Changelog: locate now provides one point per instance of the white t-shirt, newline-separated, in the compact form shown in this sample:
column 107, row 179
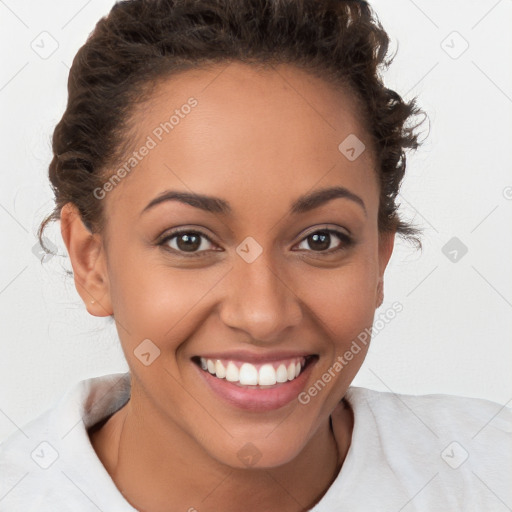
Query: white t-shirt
column 408, row 453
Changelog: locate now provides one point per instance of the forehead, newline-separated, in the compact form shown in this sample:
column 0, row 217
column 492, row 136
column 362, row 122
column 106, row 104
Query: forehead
column 235, row 129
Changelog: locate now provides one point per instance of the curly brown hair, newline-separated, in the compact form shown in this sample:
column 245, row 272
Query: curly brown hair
column 141, row 42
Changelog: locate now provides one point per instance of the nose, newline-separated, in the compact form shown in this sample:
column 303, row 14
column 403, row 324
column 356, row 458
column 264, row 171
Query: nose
column 260, row 301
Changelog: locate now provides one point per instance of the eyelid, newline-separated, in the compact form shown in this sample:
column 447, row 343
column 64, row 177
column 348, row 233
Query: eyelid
column 346, row 239
column 325, row 227
column 173, row 233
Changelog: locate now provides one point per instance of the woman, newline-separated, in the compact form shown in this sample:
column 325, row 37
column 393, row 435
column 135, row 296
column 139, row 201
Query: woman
column 225, row 176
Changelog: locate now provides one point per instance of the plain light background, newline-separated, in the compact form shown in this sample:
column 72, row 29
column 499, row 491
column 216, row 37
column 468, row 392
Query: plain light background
column 455, row 331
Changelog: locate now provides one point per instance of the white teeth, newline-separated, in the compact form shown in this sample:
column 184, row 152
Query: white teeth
column 219, row 369
column 249, row 375
column 232, row 373
column 282, row 373
column 267, row 375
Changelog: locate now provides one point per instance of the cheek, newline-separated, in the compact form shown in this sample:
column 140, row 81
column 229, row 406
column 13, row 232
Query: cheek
column 342, row 299
column 158, row 302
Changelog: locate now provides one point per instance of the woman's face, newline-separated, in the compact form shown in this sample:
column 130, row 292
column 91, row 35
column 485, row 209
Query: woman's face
column 254, row 280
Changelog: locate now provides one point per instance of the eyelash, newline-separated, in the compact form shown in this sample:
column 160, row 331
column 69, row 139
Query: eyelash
column 346, row 241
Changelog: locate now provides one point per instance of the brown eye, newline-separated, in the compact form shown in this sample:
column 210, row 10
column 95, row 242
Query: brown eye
column 186, row 242
column 320, row 241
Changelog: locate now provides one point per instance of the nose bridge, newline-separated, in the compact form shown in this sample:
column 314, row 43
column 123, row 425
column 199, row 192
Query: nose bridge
column 259, row 300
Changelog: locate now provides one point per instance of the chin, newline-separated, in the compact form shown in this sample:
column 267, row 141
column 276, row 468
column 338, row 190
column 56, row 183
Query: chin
column 257, row 451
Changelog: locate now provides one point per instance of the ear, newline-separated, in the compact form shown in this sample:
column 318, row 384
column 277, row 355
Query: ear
column 386, row 244
column 87, row 255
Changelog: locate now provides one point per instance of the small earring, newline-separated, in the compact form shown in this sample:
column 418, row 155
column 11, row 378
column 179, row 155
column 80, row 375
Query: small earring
column 93, row 301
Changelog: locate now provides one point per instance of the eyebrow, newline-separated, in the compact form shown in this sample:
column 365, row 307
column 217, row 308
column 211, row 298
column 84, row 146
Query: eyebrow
column 212, row 204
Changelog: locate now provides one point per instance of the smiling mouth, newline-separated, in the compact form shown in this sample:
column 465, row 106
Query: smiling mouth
column 259, row 376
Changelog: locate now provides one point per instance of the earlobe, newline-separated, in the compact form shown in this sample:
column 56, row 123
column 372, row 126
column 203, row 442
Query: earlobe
column 87, row 255
column 386, row 244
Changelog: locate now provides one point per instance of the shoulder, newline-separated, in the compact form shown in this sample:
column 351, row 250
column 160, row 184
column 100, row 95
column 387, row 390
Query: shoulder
column 431, row 449
column 442, row 413
column 50, row 460
column 455, row 427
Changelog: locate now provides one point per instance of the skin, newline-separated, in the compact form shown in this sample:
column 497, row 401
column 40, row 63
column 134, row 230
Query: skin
column 258, row 139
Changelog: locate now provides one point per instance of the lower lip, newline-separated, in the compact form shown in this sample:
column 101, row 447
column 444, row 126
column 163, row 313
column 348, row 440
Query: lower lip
column 254, row 399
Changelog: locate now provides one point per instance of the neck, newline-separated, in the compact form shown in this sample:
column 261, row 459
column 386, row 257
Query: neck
column 163, row 465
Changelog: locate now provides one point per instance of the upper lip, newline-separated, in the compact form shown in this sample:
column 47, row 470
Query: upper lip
column 253, row 357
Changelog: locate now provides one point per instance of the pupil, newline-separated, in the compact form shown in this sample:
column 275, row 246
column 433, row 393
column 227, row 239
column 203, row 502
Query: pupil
column 323, row 238
column 192, row 242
